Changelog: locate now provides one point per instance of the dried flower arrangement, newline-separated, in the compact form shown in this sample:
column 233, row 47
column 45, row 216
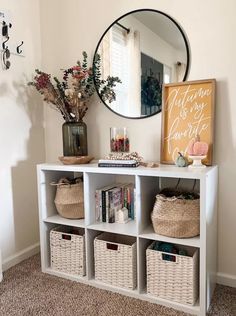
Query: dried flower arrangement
column 70, row 96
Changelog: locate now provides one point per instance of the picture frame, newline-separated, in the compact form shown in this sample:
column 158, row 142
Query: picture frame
column 187, row 111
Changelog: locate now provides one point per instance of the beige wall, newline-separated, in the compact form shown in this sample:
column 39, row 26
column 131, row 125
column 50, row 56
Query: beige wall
column 68, row 27
column 21, row 134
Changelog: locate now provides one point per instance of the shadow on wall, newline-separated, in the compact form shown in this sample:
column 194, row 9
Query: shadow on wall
column 94, row 129
column 23, row 173
column 225, row 157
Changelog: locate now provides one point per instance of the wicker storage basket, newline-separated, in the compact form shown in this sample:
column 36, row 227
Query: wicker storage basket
column 68, row 250
column 174, row 217
column 69, row 199
column 175, row 281
column 116, row 260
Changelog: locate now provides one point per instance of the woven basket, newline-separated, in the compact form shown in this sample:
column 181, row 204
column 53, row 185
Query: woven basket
column 174, row 217
column 69, row 200
column 68, row 250
column 174, row 281
column 116, row 260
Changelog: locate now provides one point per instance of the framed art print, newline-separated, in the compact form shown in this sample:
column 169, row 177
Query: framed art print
column 187, row 111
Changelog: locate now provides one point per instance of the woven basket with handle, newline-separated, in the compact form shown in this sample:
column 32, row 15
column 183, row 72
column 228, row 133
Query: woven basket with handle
column 176, row 217
column 69, row 199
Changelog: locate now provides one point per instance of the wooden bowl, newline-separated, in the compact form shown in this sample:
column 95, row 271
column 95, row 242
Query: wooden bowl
column 75, row 160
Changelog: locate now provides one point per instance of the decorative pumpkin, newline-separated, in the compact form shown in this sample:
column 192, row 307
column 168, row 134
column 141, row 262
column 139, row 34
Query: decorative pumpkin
column 181, row 161
column 190, row 147
column 197, row 148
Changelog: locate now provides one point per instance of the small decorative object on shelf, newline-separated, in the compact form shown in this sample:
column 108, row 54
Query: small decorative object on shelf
column 121, row 216
column 197, row 151
column 197, row 148
column 119, row 139
column 75, row 160
column 181, row 161
column 71, row 96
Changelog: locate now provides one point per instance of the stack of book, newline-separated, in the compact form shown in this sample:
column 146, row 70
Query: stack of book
column 110, row 199
column 118, row 163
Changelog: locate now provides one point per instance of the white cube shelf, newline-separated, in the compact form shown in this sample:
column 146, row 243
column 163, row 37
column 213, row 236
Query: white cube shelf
column 148, row 182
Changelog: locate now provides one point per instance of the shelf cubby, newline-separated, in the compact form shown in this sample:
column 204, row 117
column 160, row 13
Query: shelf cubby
column 94, row 181
column 46, row 252
column 142, row 280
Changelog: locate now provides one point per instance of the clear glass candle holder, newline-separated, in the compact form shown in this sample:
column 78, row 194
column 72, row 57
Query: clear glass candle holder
column 119, row 140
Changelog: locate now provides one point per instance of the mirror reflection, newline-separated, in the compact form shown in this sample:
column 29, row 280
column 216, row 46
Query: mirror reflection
column 145, row 49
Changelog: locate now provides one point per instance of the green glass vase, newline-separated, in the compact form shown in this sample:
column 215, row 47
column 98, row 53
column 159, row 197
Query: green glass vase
column 74, row 139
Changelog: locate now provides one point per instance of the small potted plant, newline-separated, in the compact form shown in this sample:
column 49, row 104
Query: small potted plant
column 70, row 97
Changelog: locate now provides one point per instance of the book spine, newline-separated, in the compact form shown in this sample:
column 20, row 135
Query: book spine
column 118, row 165
column 97, row 206
column 107, row 205
column 114, row 161
column 129, row 201
column 132, row 204
column 111, row 215
column 104, row 206
column 100, row 206
column 125, row 203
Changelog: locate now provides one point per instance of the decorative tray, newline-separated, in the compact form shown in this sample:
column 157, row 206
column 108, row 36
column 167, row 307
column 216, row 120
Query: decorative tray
column 75, row 160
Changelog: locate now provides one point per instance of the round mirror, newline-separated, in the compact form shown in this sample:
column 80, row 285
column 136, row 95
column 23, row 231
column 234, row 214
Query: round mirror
column 144, row 49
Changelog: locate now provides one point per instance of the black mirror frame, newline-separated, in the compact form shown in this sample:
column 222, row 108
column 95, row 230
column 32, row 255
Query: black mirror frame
column 186, row 46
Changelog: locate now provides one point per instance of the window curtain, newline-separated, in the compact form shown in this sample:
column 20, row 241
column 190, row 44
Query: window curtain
column 134, row 82
column 180, row 69
column 120, row 55
column 105, row 54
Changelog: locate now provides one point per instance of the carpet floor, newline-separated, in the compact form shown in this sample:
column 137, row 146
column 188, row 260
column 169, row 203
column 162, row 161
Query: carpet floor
column 25, row 290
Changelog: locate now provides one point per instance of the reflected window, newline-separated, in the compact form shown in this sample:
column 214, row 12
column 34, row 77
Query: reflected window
column 151, row 85
column 119, row 67
column 167, row 74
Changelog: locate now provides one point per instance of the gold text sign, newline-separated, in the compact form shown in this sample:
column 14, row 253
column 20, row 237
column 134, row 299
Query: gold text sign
column 187, row 111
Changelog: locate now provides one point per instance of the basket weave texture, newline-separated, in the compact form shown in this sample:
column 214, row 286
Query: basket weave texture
column 174, row 217
column 175, row 281
column 67, row 250
column 116, row 260
column 69, row 200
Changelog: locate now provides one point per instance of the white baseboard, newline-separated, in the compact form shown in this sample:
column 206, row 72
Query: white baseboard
column 226, row 279
column 20, row 256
